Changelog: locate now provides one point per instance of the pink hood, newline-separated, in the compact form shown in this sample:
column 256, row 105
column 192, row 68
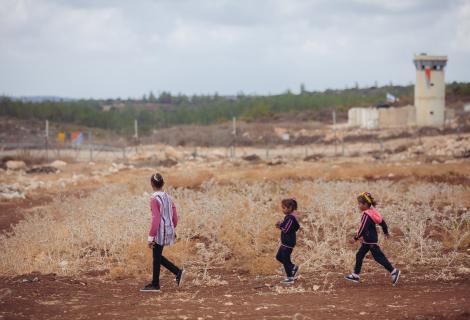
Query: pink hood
column 374, row 215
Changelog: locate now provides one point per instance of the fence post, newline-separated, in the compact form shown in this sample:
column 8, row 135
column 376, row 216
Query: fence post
column 334, row 129
column 136, row 134
column 47, row 139
column 234, row 133
column 90, row 144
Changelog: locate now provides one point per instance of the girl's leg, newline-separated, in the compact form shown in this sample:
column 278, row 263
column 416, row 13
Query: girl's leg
column 288, row 265
column 170, row 266
column 380, row 258
column 279, row 255
column 361, row 253
column 283, row 256
column 157, row 260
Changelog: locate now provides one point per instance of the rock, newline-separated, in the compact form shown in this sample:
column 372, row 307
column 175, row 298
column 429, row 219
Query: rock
column 173, row 154
column 251, row 157
column 15, row 165
column 58, row 164
column 313, row 157
column 9, row 192
column 5, row 293
column 45, row 169
column 463, row 270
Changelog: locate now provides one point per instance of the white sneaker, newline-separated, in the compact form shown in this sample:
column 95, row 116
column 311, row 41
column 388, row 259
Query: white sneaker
column 353, row 278
column 395, row 276
column 289, row 280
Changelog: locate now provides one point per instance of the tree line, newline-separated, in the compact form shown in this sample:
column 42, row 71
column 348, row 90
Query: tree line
column 167, row 109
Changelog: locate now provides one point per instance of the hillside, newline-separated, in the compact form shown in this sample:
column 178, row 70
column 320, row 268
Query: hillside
column 169, row 110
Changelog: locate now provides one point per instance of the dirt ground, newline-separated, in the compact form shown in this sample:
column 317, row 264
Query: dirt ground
column 39, row 296
column 245, row 297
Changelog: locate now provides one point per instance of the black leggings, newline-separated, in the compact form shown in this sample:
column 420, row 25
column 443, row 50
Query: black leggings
column 376, row 253
column 283, row 256
column 159, row 260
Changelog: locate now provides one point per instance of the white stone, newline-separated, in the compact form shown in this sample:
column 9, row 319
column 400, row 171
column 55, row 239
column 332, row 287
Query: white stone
column 15, row 165
column 58, row 164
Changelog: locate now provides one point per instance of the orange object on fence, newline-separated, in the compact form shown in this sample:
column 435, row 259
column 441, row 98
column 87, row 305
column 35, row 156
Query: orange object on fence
column 61, row 136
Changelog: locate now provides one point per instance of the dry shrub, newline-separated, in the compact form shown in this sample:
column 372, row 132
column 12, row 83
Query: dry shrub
column 231, row 226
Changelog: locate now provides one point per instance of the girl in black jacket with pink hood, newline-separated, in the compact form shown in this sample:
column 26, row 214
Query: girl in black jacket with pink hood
column 368, row 232
column 289, row 227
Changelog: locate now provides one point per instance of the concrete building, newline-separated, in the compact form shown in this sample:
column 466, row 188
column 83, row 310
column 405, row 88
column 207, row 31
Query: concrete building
column 430, row 90
column 429, row 105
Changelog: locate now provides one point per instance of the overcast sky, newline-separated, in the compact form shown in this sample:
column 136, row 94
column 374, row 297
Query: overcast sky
column 117, row 48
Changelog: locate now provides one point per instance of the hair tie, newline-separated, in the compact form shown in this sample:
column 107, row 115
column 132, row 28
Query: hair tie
column 366, row 196
column 155, row 177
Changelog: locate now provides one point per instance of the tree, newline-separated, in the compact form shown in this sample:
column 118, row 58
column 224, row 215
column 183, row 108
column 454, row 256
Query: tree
column 152, row 97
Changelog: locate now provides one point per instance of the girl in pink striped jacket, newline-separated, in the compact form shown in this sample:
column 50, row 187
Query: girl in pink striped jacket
column 162, row 233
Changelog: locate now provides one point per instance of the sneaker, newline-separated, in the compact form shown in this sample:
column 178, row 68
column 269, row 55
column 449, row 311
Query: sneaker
column 395, row 276
column 289, row 280
column 295, row 270
column 150, row 288
column 353, row 278
column 180, row 278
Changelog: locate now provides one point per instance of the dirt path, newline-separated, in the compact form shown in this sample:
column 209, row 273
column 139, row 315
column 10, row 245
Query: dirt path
column 52, row 297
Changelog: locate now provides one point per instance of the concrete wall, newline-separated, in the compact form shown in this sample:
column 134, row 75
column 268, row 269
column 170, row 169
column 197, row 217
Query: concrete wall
column 372, row 118
column 363, row 117
column 396, row 117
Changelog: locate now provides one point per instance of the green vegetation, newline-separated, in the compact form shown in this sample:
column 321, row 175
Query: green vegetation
column 167, row 110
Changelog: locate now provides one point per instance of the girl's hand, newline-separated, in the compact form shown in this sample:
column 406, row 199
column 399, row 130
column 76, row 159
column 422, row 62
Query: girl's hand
column 387, row 236
column 151, row 244
column 352, row 240
column 278, row 224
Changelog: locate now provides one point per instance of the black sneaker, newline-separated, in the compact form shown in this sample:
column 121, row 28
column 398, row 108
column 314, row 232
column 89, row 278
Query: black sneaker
column 295, row 270
column 180, row 278
column 395, row 276
column 150, row 288
column 353, row 278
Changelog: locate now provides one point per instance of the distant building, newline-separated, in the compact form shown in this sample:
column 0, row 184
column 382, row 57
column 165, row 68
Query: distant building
column 429, row 104
column 430, row 90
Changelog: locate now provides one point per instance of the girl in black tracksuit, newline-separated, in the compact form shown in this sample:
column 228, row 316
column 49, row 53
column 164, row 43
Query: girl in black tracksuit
column 289, row 226
column 368, row 232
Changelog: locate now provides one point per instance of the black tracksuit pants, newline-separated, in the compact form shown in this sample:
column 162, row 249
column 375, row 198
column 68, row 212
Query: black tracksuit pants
column 376, row 253
column 158, row 260
column 283, row 256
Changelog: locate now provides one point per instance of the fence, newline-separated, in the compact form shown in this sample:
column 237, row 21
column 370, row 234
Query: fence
column 53, row 145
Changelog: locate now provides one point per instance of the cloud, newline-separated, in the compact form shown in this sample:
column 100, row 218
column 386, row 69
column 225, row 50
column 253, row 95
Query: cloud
column 113, row 48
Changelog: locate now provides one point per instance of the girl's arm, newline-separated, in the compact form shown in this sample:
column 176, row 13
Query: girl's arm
column 286, row 224
column 155, row 208
column 384, row 227
column 175, row 215
column 365, row 220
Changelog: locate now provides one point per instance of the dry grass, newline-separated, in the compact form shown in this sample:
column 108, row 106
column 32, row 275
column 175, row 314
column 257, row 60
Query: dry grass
column 230, row 226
